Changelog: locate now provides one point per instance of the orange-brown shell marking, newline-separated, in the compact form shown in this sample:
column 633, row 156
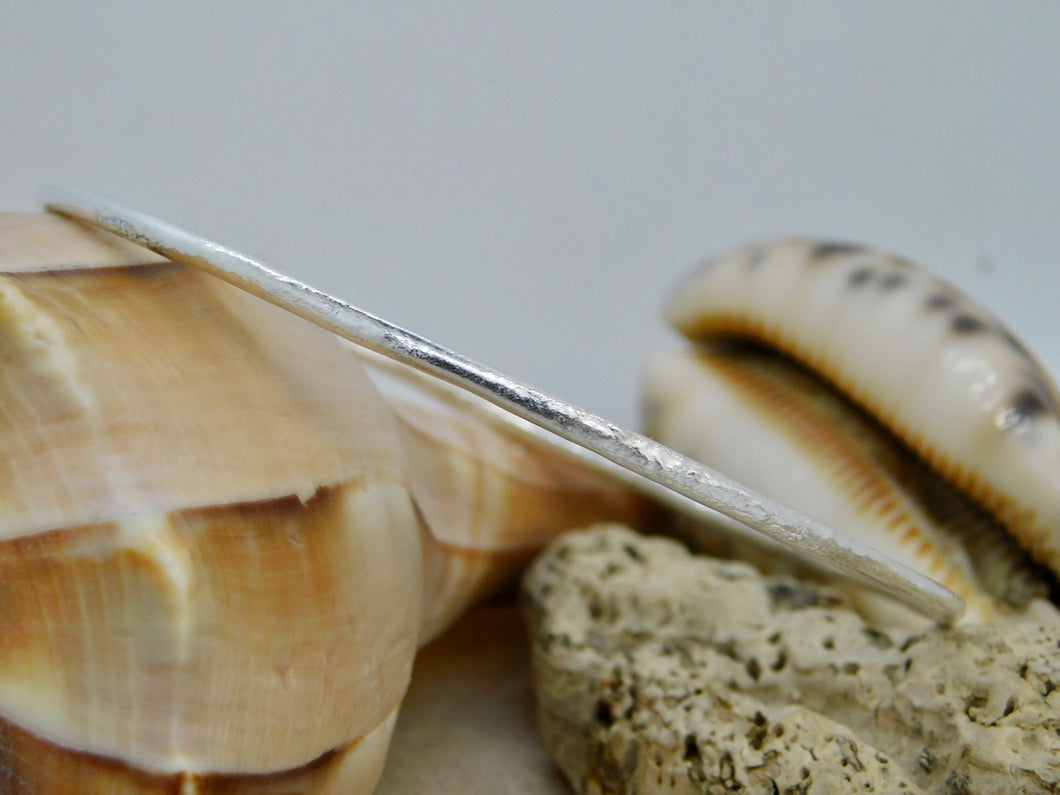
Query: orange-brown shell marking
column 217, row 555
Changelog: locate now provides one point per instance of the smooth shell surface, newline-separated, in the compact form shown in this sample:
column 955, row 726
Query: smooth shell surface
column 219, row 545
column 937, row 370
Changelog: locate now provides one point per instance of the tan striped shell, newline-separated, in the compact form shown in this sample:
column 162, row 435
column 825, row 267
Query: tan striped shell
column 219, row 545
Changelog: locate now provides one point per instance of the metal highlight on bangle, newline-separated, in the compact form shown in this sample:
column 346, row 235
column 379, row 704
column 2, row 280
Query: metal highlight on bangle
column 688, row 485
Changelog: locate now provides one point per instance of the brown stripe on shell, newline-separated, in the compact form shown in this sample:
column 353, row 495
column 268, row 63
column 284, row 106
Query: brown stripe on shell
column 140, row 623
column 210, row 561
column 966, row 324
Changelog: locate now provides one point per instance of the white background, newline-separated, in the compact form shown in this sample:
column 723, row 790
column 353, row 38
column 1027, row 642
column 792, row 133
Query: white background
column 525, row 182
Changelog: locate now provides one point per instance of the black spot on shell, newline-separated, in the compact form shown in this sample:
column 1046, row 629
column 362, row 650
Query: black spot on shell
column 1028, row 405
column 893, row 281
column 940, row 301
column 967, row 324
column 859, row 277
column 834, row 249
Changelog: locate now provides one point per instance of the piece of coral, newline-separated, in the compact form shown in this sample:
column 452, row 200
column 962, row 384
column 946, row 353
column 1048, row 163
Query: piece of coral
column 660, row 672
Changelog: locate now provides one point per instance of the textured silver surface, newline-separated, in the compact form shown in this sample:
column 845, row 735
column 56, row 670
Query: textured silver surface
column 628, row 449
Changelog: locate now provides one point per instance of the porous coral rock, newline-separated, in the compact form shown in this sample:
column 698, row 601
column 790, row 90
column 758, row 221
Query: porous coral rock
column 660, row 672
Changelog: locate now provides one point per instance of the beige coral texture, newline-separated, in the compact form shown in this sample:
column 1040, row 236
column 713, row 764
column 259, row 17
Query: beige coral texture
column 660, row 672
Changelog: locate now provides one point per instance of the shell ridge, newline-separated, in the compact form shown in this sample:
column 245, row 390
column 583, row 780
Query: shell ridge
column 852, row 455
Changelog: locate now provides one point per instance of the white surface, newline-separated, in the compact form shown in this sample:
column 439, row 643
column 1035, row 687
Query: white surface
column 525, row 182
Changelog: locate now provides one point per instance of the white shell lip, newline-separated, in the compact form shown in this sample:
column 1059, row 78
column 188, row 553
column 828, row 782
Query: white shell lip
column 773, row 425
column 936, row 368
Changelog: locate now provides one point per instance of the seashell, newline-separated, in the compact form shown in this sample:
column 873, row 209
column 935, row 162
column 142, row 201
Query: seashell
column 220, row 545
column 490, row 495
column 920, row 380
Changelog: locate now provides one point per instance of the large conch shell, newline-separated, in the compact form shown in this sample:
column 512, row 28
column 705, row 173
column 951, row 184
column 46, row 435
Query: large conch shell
column 219, row 545
column 843, row 381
